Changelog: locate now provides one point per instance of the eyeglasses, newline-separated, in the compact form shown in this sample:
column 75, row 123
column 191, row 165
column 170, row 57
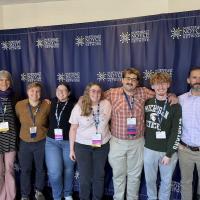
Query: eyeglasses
column 95, row 91
column 131, row 79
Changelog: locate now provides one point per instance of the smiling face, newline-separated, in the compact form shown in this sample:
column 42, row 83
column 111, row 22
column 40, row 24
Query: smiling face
column 95, row 93
column 161, row 89
column 129, row 82
column 34, row 94
column 62, row 93
column 194, row 80
column 4, row 83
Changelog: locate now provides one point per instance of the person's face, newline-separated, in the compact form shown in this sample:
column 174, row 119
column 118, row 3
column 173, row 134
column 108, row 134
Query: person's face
column 160, row 88
column 62, row 93
column 34, row 94
column 129, row 82
column 194, row 80
column 95, row 93
column 4, row 83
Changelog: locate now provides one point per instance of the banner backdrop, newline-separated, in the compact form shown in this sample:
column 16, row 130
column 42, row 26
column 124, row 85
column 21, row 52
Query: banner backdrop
column 98, row 51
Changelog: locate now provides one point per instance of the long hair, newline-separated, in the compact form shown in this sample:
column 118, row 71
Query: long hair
column 86, row 103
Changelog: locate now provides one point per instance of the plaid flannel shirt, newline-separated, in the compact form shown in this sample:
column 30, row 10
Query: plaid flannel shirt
column 121, row 111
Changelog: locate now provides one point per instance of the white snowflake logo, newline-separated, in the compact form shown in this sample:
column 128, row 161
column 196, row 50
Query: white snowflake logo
column 76, row 175
column 5, row 45
column 39, row 43
column 79, row 41
column 23, row 77
column 176, row 33
column 101, row 76
column 147, row 74
column 16, row 167
column 61, row 77
column 125, row 38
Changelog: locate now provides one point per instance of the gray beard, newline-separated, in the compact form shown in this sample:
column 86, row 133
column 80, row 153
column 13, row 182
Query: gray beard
column 197, row 89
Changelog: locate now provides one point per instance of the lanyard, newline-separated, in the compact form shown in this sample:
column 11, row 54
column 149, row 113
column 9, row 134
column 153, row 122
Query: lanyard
column 162, row 113
column 130, row 104
column 33, row 114
column 3, row 110
column 58, row 117
column 96, row 117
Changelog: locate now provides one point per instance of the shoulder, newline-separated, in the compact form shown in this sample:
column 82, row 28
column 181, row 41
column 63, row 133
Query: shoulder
column 22, row 103
column 105, row 102
column 176, row 107
column 150, row 101
column 183, row 97
column 45, row 105
column 114, row 90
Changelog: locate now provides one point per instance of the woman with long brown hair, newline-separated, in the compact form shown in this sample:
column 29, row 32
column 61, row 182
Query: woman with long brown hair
column 89, row 136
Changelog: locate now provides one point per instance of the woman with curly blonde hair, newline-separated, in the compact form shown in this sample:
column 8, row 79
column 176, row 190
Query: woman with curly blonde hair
column 89, row 136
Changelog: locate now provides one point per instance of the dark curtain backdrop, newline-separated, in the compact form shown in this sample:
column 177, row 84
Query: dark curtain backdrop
column 98, row 51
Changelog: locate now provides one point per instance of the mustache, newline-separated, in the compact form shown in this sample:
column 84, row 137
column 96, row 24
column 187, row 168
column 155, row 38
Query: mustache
column 195, row 84
column 129, row 84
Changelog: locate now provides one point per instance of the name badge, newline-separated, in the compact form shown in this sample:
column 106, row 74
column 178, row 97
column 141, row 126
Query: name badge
column 33, row 131
column 58, row 132
column 96, row 140
column 131, row 126
column 4, row 126
column 160, row 135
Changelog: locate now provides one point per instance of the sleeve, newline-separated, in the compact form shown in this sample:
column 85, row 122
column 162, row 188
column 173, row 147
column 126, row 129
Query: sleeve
column 176, row 130
column 75, row 114
column 148, row 93
column 107, row 110
column 17, row 109
column 107, row 94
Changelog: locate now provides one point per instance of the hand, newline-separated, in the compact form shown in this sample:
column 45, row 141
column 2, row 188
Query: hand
column 72, row 155
column 165, row 160
column 173, row 99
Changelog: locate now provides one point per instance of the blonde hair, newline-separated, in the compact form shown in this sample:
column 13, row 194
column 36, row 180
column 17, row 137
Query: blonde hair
column 86, row 103
column 160, row 77
column 6, row 74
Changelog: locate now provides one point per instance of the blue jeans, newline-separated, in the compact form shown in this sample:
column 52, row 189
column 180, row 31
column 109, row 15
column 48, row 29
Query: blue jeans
column 151, row 164
column 60, row 167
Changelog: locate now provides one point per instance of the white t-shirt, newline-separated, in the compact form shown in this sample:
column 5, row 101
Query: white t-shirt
column 86, row 124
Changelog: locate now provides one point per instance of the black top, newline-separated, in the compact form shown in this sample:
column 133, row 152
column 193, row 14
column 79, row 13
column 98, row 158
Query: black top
column 8, row 139
column 64, row 124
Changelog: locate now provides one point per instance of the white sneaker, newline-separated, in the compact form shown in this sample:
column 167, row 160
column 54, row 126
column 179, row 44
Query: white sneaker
column 39, row 195
column 69, row 198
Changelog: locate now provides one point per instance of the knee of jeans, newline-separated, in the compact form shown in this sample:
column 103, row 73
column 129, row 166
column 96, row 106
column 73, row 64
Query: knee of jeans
column 54, row 175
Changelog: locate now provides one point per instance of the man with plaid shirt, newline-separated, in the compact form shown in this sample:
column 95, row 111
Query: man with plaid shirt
column 127, row 128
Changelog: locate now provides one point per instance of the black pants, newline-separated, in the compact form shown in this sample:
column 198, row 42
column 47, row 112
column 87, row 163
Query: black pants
column 91, row 162
column 30, row 152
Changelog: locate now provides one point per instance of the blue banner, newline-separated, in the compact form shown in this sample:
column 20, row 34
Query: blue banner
column 99, row 51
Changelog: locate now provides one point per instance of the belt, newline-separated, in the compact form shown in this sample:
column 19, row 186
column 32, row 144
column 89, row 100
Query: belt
column 190, row 147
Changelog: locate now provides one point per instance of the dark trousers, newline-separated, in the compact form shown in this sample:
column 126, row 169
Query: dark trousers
column 91, row 162
column 30, row 152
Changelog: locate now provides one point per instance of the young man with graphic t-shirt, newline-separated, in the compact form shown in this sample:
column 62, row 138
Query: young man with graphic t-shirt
column 162, row 136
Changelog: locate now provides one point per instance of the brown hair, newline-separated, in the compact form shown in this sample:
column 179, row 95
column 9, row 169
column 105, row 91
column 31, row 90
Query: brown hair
column 193, row 69
column 34, row 84
column 160, row 77
column 131, row 71
column 86, row 103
